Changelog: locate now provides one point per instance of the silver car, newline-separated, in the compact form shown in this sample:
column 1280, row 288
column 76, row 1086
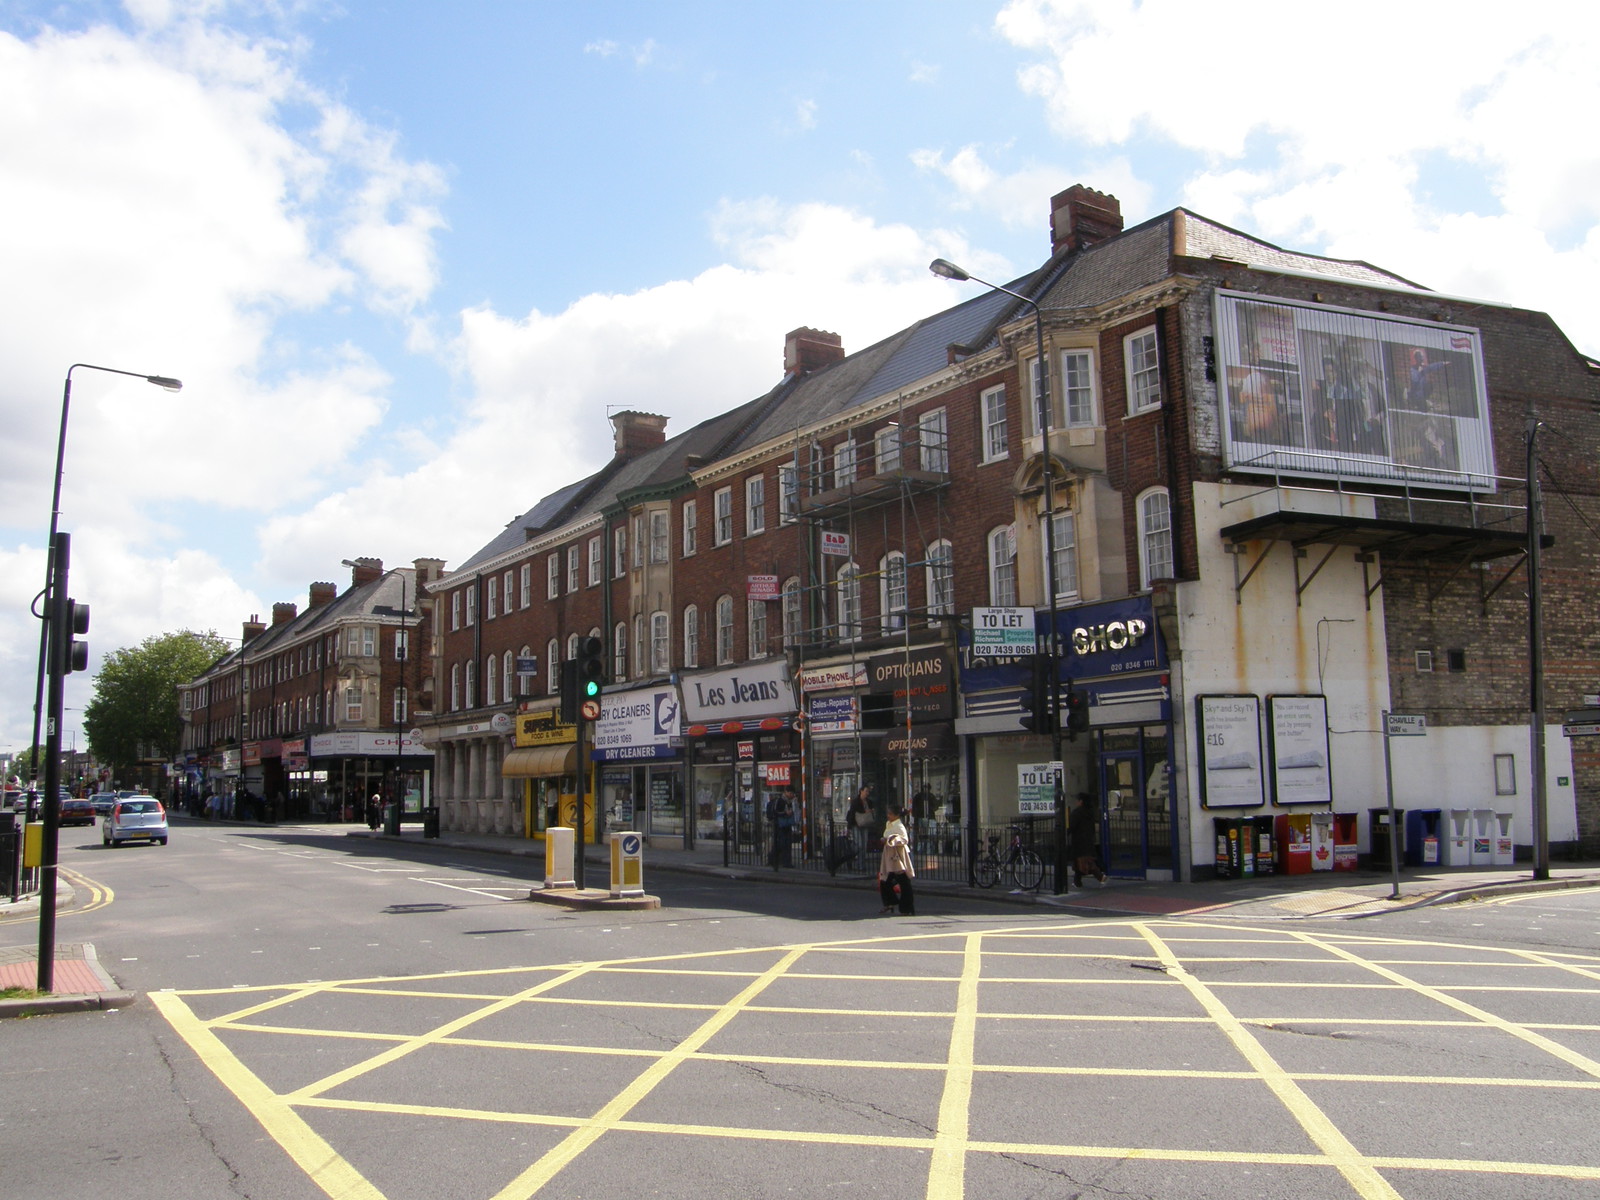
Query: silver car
column 134, row 819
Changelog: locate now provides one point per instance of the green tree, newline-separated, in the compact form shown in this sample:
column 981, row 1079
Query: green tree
column 134, row 712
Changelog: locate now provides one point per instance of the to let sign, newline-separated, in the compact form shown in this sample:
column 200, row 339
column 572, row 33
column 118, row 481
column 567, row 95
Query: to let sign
column 1003, row 630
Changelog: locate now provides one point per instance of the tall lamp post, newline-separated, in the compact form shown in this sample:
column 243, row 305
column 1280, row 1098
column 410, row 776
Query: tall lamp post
column 55, row 642
column 946, row 269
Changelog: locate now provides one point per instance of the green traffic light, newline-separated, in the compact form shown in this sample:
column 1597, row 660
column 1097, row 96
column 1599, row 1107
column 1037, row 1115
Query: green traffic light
column 591, row 688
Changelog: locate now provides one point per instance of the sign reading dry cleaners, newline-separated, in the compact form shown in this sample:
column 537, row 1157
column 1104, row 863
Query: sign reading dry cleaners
column 743, row 693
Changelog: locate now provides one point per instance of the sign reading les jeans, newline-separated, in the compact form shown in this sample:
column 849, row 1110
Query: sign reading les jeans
column 744, row 693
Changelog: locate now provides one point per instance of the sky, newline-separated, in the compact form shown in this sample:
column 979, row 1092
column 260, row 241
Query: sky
column 407, row 256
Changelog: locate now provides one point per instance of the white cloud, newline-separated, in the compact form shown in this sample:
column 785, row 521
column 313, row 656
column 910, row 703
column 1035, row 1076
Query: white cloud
column 541, row 385
column 1400, row 134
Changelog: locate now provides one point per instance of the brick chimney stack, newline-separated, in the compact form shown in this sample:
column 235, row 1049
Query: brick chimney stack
column 321, row 593
column 283, row 612
column 366, row 570
column 636, row 432
column 427, row 569
column 807, row 350
column 253, row 628
column 1081, row 216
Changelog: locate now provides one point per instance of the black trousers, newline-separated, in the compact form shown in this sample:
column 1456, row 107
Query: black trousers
column 906, row 900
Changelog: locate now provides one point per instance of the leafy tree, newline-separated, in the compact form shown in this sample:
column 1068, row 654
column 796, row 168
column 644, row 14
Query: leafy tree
column 134, row 712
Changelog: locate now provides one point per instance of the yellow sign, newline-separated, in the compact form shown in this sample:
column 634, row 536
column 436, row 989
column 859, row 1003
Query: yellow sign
column 544, row 729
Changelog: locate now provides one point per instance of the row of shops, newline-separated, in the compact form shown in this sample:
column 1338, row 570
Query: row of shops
column 322, row 776
column 931, row 725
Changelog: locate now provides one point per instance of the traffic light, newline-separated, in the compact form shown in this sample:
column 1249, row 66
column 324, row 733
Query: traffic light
column 569, row 692
column 591, row 667
column 1077, row 713
column 76, row 655
column 1037, row 716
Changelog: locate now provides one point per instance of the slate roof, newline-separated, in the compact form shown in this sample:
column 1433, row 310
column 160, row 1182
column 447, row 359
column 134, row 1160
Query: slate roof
column 1137, row 257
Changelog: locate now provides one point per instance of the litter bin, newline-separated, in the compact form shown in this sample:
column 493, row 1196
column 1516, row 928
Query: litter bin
column 1294, row 843
column 1231, row 845
column 1505, row 846
column 1378, row 833
column 430, row 822
column 1457, row 838
column 1261, row 843
column 1482, row 837
column 1422, row 837
column 1344, row 842
column 391, row 819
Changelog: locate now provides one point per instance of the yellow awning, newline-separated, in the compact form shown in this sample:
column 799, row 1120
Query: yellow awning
column 538, row 761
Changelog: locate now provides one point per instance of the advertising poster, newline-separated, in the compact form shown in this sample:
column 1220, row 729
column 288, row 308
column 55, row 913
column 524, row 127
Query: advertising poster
column 1298, row 728
column 1338, row 392
column 1231, row 773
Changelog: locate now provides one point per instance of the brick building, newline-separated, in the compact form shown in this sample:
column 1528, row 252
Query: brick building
column 316, row 708
column 1285, row 495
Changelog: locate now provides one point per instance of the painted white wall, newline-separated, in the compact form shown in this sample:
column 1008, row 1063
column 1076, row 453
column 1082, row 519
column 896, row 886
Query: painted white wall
column 1453, row 767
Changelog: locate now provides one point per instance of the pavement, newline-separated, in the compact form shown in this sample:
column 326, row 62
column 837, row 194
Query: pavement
column 81, row 984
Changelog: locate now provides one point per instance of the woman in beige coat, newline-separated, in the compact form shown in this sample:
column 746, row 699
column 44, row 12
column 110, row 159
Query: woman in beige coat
column 895, row 869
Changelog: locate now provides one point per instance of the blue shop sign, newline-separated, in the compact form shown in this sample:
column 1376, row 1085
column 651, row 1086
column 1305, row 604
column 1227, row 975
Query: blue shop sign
column 1111, row 638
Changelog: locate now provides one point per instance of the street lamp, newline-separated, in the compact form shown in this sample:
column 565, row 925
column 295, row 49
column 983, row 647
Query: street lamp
column 946, row 269
column 55, row 640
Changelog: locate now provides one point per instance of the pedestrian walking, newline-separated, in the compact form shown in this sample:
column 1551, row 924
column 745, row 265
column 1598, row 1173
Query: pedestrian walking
column 374, row 812
column 780, row 815
column 1083, row 841
column 895, row 869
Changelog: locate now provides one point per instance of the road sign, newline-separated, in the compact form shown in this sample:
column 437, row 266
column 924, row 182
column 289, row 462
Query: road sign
column 1588, row 729
column 590, row 710
column 1405, row 725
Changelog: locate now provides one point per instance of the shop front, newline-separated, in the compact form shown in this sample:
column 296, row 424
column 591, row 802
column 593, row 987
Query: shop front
column 639, row 765
column 543, row 763
column 357, row 764
column 742, row 749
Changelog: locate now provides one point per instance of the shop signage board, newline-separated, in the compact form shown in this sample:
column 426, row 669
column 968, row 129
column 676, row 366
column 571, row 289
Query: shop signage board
column 640, row 723
column 835, row 543
column 750, row 691
column 832, row 714
column 828, row 679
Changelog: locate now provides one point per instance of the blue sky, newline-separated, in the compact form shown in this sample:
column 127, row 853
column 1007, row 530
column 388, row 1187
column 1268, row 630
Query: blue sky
column 407, row 255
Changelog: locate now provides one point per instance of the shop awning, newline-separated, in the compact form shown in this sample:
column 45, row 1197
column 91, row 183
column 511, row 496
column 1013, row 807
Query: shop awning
column 536, row 761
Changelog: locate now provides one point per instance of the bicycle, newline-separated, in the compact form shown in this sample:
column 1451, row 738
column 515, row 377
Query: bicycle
column 1024, row 868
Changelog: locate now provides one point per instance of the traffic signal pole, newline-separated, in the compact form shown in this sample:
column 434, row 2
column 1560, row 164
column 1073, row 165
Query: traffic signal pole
column 56, row 664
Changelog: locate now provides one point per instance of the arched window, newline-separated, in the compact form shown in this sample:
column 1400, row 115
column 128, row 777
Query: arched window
column 691, row 636
column 491, row 676
column 892, row 591
column 552, row 667
column 1155, row 536
column 756, row 628
column 455, row 687
column 849, row 587
column 1003, row 567
column 941, row 574
column 619, row 651
column 525, row 682
column 660, row 643
column 472, row 685
column 508, row 672
column 791, row 612
column 724, row 629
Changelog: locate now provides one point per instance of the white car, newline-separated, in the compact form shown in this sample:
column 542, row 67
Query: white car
column 134, row 819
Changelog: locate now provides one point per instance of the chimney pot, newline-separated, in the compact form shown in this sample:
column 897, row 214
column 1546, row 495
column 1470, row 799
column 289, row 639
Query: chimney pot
column 321, row 593
column 807, row 350
column 636, row 432
column 284, row 612
column 366, row 570
column 1081, row 216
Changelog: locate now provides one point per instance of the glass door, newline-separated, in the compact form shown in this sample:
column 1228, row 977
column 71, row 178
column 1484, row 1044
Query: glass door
column 1123, row 825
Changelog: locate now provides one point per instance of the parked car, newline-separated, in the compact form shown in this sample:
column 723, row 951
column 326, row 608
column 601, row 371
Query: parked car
column 76, row 812
column 102, row 802
column 135, row 819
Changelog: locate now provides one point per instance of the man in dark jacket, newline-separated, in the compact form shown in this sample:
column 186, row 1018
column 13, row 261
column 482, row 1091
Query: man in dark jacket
column 1083, row 841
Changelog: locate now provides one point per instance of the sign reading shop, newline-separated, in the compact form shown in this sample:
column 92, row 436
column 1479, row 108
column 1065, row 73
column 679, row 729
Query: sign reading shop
column 744, row 693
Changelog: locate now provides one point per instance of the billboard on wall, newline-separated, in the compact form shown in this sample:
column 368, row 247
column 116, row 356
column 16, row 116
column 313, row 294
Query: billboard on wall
column 1337, row 392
